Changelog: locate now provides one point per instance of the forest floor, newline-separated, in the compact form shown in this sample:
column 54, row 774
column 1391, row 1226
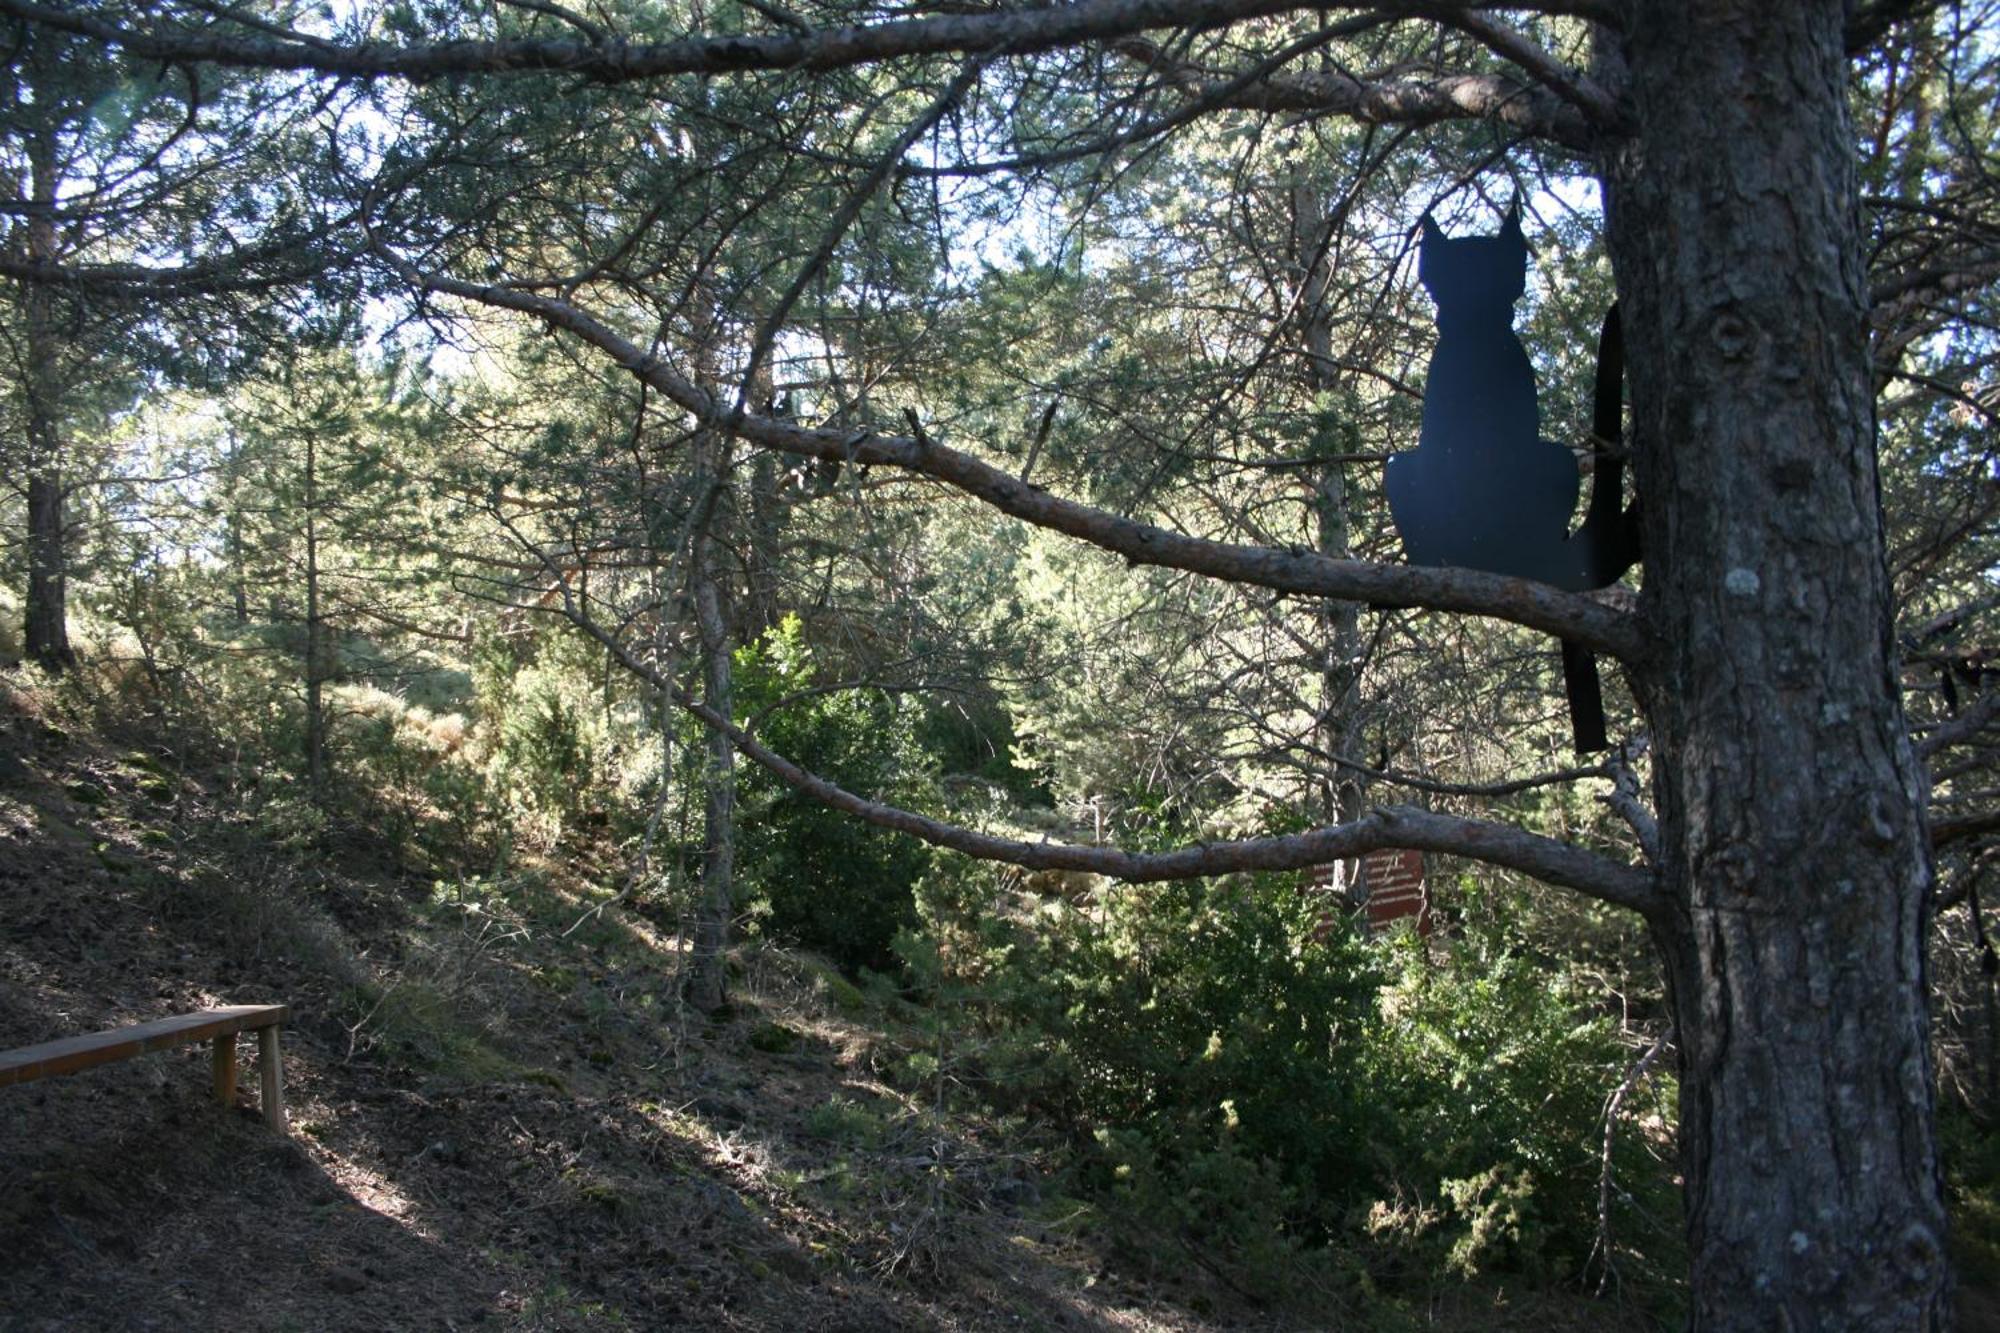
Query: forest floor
column 502, row 1117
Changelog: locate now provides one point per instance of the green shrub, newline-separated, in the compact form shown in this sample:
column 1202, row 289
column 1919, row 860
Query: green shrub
column 843, row 1120
column 1493, row 1071
column 552, row 733
column 832, row 883
column 1287, row 1097
column 1196, row 1011
column 1210, row 1045
column 1223, row 1202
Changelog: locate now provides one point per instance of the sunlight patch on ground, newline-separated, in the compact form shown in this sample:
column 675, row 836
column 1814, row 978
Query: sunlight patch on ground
column 376, row 1193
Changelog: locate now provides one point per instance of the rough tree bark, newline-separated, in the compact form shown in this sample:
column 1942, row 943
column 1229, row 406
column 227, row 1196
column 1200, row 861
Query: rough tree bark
column 1791, row 822
column 47, row 610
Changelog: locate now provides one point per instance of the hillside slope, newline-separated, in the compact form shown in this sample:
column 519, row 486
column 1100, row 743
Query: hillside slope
column 500, row 1121
column 503, row 1118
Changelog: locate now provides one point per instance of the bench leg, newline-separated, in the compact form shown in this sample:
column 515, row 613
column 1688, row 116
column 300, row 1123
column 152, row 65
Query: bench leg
column 224, row 1062
column 273, row 1075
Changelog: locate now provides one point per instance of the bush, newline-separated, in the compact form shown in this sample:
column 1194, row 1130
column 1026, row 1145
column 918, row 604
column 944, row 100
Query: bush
column 831, row 882
column 1209, row 1044
column 1285, row 1097
column 1494, row 1071
column 550, row 732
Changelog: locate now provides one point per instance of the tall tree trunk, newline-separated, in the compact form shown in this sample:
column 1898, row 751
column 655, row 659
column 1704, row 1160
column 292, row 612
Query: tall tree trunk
column 1791, row 821
column 233, row 541
column 315, row 663
column 758, row 610
column 47, row 610
column 707, row 983
column 1338, row 725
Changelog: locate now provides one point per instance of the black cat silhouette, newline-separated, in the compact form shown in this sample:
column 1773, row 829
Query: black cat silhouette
column 1482, row 489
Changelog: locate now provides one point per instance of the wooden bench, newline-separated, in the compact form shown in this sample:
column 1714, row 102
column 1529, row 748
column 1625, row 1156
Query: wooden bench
column 220, row 1026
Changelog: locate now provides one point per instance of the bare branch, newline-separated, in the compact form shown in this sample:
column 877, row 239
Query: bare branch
column 1506, row 787
column 1391, row 826
column 1957, row 828
column 1973, row 268
column 1961, row 728
column 1001, row 32
column 1292, row 570
column 1870, row 23
column 1547, row 859
column 1633, row 1078
column 1625, row 800
column 1578, row 89
column 1407, row 100
column 295, row 258
column 991, row 34
column 1200, row 101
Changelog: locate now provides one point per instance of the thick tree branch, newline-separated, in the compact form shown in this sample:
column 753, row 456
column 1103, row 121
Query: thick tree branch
column 1957, row 828
column 1406, row 100
column 1576, row 88
column 1391, row 826
column 1546, row 859
column 206, row 277
column 1870, row 23
column 1970, row 269
column 996, row 33
column 1961, row 728
column 1291, row 570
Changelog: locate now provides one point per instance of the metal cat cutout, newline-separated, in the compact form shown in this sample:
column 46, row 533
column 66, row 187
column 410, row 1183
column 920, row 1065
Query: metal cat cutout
column 1483, row 489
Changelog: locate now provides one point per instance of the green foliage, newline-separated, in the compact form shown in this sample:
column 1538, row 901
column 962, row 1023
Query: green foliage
column 1495, row 1075
column 845, row 1121
column 773, row 1039
column 1221, row 1201
column 1972, row 1187
column 832, row 883
column 549, row 742
column 979, row 741
column 1251, row 1081
column 1202, row 1015
column 1497, row 1212
column 1214, row 1045
column 552, row 734
column 410, row 764
column 424, row 1025
column 1102, row 712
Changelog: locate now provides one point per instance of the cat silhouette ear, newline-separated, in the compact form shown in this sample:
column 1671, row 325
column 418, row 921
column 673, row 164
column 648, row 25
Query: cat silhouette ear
column 1514, row 217
column 1432, row 232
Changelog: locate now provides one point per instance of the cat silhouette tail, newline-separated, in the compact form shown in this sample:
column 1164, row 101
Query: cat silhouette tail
column 1616, row 530
column 1585, row 693
column 1608, row 541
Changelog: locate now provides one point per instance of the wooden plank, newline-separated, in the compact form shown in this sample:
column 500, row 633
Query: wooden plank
column 71, row 1054
column 224, row 1062
column 272, row 1070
